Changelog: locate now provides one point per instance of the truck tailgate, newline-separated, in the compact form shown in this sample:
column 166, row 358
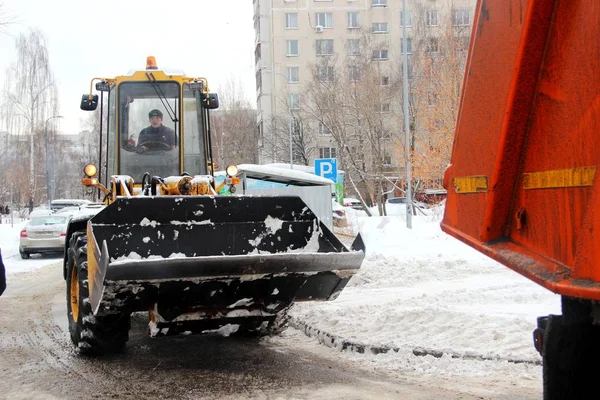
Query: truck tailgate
column 522, row 183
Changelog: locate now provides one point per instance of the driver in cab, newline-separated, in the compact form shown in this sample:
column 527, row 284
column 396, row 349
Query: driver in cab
column 156, row 136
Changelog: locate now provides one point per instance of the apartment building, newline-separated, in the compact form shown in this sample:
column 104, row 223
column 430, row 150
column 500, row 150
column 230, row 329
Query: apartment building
column 292, row 36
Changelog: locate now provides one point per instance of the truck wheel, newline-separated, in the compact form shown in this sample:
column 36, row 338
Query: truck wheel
column 571, row 347
column 92, row 335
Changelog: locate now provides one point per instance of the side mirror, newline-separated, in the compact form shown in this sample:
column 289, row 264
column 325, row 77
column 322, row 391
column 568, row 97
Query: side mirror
column 210, row 101
column 89, row 104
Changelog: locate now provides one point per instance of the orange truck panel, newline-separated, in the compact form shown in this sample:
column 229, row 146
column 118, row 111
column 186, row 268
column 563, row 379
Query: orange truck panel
column 522, row 184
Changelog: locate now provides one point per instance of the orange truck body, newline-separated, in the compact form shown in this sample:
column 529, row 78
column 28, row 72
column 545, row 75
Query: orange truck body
column 522, row 185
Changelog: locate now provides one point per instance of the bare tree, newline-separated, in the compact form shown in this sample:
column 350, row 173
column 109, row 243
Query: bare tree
column 233, row 127
column 6, row 18
column 350, row 107
column 30, row 98
column 436, row 70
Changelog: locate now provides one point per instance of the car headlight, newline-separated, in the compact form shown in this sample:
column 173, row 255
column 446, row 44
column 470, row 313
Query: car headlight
column 232, row 170
column 90, row 170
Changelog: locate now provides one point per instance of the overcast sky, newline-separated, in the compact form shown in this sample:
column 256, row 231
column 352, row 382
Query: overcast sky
column 86, row 39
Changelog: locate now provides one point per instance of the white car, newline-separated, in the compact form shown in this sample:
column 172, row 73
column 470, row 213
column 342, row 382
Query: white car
column 44, row 234
column 352, row 202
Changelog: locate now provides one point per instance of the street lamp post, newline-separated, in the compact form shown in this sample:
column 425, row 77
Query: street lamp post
column 49, row 161
column 406, row 119
column 291, row 124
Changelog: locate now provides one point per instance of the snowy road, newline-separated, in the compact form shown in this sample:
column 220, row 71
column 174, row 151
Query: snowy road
column 38, row 362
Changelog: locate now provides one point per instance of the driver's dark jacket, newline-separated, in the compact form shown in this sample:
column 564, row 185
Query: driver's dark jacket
column 161, row 134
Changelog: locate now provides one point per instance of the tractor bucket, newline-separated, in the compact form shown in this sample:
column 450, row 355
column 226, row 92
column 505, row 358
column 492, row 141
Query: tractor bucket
column 210, row 255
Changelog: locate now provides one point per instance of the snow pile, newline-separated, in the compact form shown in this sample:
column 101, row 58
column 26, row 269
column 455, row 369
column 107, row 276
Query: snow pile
column 422, row 290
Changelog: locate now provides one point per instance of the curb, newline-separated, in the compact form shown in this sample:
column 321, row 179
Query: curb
column 335, row 342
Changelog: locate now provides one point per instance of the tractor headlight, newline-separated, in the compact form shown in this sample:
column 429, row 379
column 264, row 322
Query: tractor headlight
column 232, row 170
column 90, row 170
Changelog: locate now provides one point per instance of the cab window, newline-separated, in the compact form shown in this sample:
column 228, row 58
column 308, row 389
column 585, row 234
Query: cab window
column 149, row 129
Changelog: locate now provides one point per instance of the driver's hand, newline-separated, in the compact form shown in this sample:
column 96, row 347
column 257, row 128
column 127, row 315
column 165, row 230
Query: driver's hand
column 144, row 148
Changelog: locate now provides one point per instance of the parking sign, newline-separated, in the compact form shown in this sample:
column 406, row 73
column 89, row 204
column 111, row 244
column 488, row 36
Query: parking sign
column 327, row 168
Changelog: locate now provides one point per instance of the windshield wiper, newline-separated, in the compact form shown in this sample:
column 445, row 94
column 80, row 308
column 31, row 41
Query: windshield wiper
column 162, row 97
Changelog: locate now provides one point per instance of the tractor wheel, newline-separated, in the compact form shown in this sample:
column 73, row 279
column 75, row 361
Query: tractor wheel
column 92, row 335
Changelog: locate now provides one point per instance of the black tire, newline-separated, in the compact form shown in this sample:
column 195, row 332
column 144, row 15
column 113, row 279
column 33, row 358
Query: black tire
column 571, row 348
column 24, row 255
column 92, row 335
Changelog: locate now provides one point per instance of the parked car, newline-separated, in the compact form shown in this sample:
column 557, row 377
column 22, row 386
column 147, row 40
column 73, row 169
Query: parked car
column 339, row 214
column 61, row 203
column 396, row 200
column 402, row 200
column 43, row 234
column 352, row 202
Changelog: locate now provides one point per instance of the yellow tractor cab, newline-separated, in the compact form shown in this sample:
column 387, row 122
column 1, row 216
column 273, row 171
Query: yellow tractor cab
column 158, row 125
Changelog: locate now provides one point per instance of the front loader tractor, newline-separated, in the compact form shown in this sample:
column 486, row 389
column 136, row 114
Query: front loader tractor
column 166, row 244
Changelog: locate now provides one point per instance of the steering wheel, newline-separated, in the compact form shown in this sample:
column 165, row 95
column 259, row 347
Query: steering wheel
column 155, row 145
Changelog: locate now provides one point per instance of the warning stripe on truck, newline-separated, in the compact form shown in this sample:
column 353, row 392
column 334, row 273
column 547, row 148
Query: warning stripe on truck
column 470, row 184
column 559, row 178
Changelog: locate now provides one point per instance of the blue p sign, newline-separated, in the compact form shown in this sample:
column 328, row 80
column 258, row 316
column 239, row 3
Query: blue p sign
column 327, row 168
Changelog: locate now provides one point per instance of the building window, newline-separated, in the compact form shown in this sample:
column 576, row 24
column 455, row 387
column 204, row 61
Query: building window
column 353, row 21
column 408, row 19
column 325, row 74
column 292, row 48
column 257, row 53
column 291, row 20
column 387, row 159
column 324, row 47
column 379, row 3
column 385, row 81
column 324, row 19
column 327, row 152
column 380, row 27
column 385, row 108
column 353, row 47
column 408, row 45
column 409, row 71
column 462, row 18
column 353, row 73
column 293, row 74
column 323, row 129
column 432, row 17
column 380, row 54
column 432, row 45
column 294, row 101
column 258, row 81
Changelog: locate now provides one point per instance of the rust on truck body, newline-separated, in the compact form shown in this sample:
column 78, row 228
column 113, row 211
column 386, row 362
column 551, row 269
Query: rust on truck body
column 528, row 123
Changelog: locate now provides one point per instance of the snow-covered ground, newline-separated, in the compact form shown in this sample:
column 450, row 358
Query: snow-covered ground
column 421, row 289
column 9, row 243
column 417, row 289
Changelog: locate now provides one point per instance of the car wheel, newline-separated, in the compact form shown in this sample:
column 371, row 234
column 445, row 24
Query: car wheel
column 24, row 255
